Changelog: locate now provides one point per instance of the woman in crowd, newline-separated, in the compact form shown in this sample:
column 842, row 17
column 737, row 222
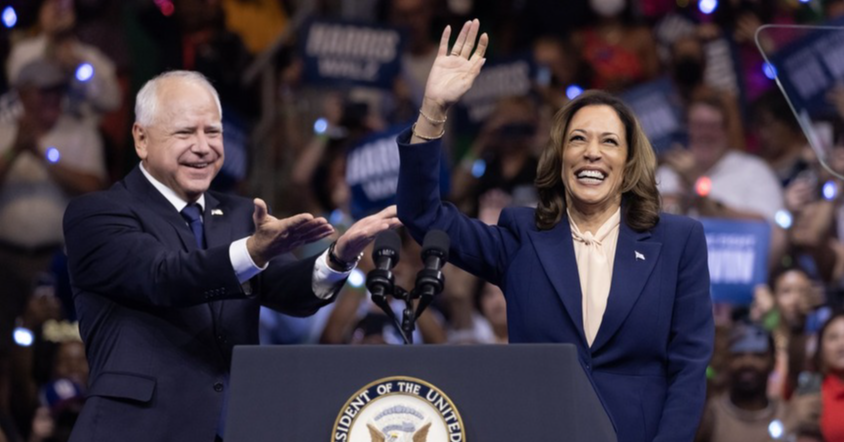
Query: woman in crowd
column 830, row 361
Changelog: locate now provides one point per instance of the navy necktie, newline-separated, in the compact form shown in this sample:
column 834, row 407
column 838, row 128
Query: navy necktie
column 192, row 213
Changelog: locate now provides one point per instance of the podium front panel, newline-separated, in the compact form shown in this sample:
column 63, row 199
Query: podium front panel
column 506, row 393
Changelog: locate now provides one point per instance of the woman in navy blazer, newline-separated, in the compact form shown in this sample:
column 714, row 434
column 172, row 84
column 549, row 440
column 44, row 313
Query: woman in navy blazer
column 646, row 353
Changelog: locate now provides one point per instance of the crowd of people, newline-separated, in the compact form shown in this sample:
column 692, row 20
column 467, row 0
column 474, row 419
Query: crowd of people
column 72, row 69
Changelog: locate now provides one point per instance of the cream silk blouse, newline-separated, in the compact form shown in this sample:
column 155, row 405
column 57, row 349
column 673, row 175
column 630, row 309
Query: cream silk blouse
column 595, row 255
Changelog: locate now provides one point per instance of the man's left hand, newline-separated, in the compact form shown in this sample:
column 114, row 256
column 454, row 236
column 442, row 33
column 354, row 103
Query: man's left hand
column 351, row 244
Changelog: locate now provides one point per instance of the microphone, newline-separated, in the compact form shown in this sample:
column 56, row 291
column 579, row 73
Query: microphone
column 430, row 280
column 385, row 254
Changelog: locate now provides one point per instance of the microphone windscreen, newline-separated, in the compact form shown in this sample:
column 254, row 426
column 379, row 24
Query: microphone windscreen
column 387, row 242
column 436, row 241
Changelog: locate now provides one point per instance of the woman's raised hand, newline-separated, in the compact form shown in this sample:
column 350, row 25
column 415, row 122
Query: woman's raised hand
column 454, row 71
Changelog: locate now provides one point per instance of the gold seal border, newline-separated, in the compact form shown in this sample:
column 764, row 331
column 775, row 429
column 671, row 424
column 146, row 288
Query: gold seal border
column 392, row 379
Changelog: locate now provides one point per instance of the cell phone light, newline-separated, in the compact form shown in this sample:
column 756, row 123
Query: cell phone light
column 707, row 6
column 829, row 190
column 84, row 72
column 775, row 429
column 356, row 278
column 573, row 91
column 10, row 17
column 53, row 155
column 23, row 336
column 783, row 219
column 320, row 126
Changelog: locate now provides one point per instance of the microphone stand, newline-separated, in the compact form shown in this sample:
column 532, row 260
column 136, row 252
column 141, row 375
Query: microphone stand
column 381, row 301
column 409, row 315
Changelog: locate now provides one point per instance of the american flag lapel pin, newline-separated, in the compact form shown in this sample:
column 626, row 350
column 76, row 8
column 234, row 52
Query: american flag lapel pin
column 639, row 256
column 216, row 212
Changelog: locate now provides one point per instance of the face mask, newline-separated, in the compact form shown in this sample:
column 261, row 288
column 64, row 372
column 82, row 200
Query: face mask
column 608, row 8
column 688, row 71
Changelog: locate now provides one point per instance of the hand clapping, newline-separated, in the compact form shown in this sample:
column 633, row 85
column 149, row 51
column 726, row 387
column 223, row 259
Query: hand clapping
column 275, row 236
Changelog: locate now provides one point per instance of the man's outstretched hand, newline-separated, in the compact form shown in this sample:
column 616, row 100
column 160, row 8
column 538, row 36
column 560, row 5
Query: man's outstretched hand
column 363, row 232
column 274, row 237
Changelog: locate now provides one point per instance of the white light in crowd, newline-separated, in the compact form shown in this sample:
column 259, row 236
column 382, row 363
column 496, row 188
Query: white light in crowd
column 573, row 91
column 10, row 17
column 53, row 155
column 320, row 126
column 707, row 6
column 769, row 70
column 829, row 190
column 783, row 219
column 805, row 1
column 23, row 337
column 478, row 168
column 356, row 278
column 84, row 72
column 775, row 429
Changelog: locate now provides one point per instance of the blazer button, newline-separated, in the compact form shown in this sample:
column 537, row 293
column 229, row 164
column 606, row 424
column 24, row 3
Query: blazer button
column 218, row 387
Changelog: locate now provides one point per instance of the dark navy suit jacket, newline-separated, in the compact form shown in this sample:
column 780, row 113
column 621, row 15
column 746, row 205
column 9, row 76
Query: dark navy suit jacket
column 158, row 316
column 649, row 358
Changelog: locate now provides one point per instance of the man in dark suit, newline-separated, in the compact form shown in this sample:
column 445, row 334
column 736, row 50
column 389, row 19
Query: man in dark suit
column 168, row 276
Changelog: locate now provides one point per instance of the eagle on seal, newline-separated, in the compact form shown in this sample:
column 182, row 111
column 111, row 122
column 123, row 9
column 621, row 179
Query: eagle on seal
column 421, row 435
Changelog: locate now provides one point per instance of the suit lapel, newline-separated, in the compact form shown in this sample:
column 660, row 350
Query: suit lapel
column 217, row 227
column 138, row 184
column 635, row 259
column 217, row 233
column 556, row 253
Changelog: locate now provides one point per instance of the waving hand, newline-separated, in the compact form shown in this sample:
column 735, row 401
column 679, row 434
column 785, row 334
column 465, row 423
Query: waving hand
column 454, row 71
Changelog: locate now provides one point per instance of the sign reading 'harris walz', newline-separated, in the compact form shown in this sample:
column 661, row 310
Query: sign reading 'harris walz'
column 399, row 409
column 356, row 54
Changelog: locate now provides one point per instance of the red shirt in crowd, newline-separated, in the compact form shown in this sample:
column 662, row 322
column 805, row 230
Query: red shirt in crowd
column 832, row 413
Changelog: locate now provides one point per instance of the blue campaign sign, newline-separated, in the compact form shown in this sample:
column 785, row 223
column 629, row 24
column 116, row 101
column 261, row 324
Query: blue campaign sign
column 738, row 258
column 658, row 108
column 810, row 66
column 337, row 52
column 372, row 172
column 499, row 78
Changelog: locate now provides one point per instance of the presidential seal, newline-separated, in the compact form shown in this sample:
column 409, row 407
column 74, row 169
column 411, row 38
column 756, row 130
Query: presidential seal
column 399, row 409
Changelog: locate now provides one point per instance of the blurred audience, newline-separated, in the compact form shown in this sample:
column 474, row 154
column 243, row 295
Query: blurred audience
column 92, row 86
column 722, row 172
column 47, row 157
column 502, row 158
column 620, row 51
column 830, row 361
column 745, row 412
column 739, row 155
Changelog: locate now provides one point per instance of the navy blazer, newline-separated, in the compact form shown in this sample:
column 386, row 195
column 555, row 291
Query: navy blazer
column 158, row 316
column 648, row 361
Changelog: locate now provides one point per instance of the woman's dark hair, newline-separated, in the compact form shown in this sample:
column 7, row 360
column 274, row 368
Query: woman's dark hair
column 640, row 198
column 818, row 358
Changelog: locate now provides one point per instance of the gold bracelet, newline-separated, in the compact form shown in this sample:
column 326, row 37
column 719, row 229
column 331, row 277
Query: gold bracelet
column 431, row 120
column 426, row 138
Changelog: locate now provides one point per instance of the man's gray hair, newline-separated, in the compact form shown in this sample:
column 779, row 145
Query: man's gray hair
column 146, row 102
